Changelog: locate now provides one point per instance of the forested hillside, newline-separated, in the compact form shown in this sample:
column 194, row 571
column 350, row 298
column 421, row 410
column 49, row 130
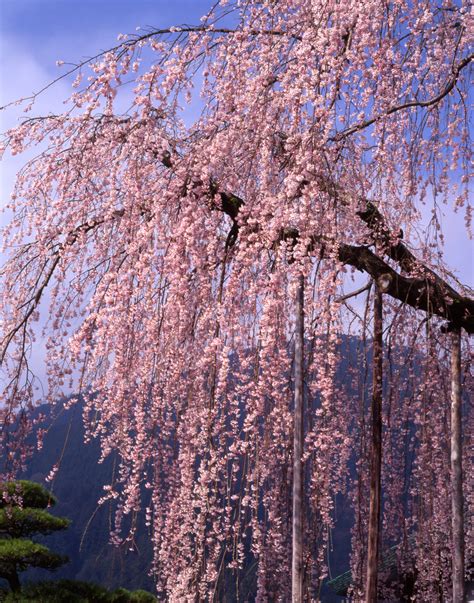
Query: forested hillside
column 78, row 486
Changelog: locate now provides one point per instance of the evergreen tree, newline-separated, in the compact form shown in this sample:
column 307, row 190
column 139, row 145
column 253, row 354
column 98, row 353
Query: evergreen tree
column 22, row 516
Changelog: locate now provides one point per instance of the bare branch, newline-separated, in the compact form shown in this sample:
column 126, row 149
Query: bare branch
column 409, row 104
column 343, row 298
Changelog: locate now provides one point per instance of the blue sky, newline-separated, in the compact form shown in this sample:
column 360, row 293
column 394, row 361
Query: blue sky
column 34, row 34
column 49, row 28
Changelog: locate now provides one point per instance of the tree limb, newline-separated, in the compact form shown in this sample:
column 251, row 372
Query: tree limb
column 431, row 293
column 409, row 104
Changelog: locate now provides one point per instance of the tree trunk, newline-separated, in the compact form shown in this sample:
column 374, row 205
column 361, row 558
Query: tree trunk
column 298, row 435
column 456, row 469
column 14, row 581
column 376, row 453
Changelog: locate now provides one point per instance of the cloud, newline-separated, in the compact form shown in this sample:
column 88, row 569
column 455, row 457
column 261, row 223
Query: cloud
column 22, row 75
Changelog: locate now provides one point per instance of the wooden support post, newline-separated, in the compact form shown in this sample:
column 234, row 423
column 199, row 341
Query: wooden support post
column 376, row 453
column 456, row 469
column 298, row 437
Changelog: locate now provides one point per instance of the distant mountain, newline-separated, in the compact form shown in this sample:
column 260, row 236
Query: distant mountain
column 78, row 486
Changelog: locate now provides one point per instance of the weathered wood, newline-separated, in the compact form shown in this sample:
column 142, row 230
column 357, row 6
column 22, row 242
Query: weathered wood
column 430, row 294
column 376, row 453
column 439, row 297
column 297, row 573
column 457, row 502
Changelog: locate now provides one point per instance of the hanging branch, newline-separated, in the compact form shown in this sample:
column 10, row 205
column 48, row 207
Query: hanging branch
column 431, row 294
column 411, row 104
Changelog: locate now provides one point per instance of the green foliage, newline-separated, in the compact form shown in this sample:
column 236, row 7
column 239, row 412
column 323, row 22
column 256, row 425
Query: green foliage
column 72, row 591
column 62, row 591
column 16, row 522
column 29, row 493
column 121, row 595
column 16, row 555
column 22, row 514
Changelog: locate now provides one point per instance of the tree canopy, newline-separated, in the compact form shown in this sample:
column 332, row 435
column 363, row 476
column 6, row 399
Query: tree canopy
column 22, row 516
column 29, row 493
column 166, row 249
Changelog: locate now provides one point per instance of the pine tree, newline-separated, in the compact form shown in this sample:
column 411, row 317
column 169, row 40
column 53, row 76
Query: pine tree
column 22, row 516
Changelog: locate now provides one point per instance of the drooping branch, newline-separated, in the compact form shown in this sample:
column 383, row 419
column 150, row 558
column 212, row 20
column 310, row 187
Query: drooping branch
column 136, row 40
column 56, row 255
column 429, row 293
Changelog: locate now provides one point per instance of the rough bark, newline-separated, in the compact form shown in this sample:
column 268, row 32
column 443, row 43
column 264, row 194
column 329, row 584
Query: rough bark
column 14, row 581
column 430, row 293
column 376, row 454
column 426, row 294
column 459, row 310
column 456, row 470
column 298, row 435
